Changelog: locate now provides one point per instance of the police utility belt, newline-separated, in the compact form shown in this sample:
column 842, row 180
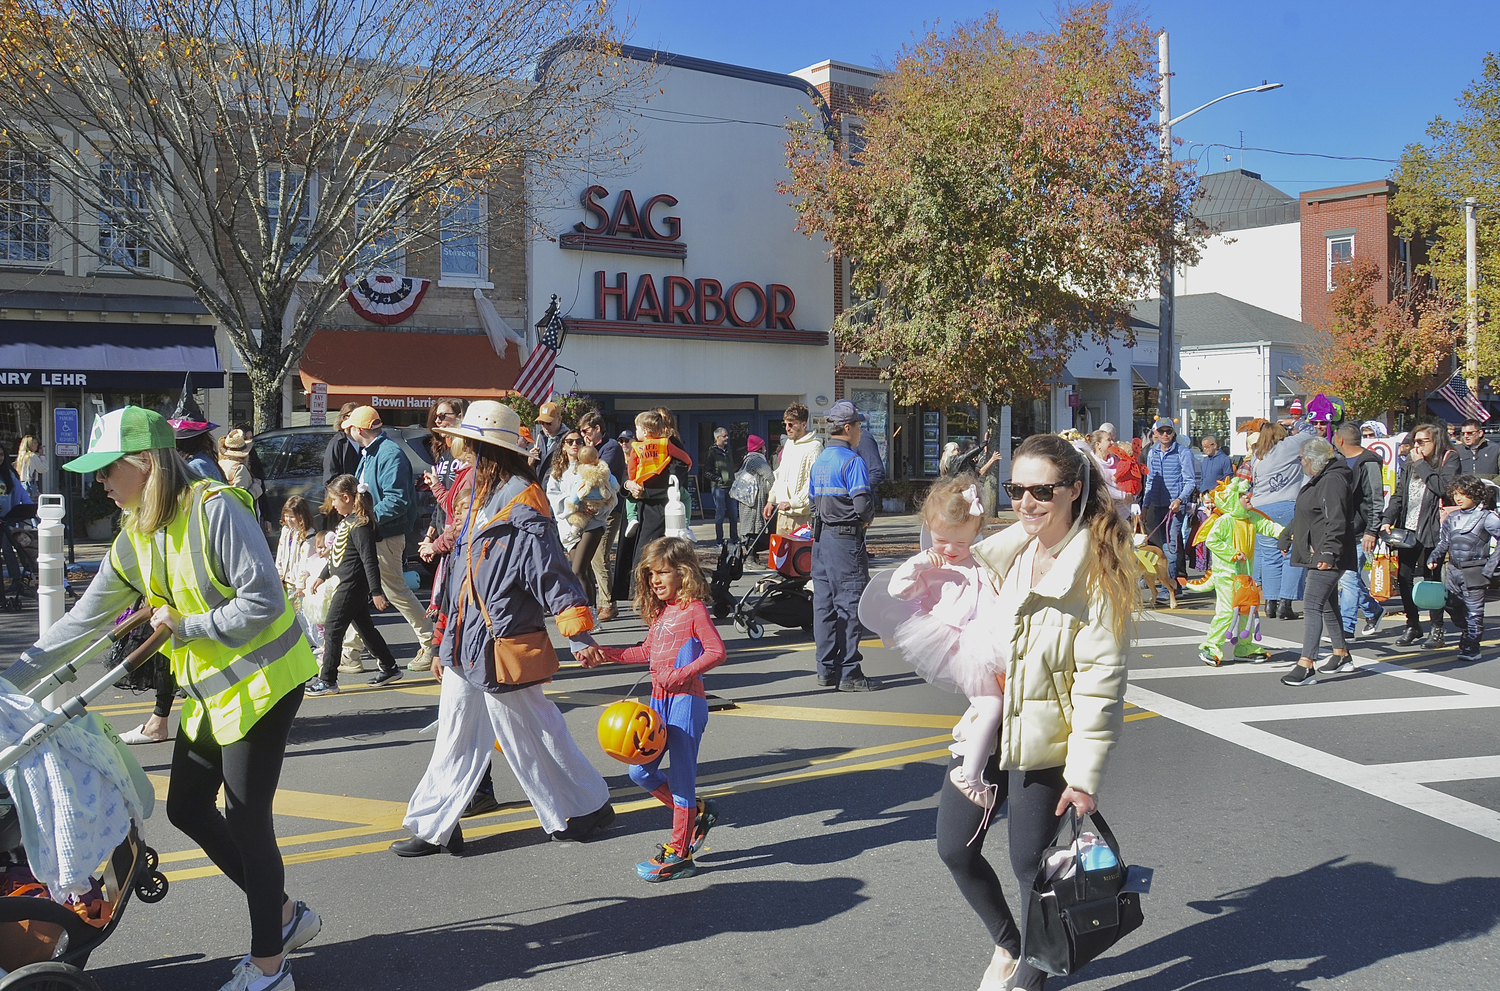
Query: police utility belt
column 842, row 529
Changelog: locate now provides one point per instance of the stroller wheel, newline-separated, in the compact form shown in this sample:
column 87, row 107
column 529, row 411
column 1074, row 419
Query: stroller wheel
column 51, row 975
column 754, row 630
column 153, row 860
column 151, row 888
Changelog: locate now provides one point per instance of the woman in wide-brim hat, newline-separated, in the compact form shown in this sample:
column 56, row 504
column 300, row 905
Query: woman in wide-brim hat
column 234, row 452
column 195, row 549
column 507, row 571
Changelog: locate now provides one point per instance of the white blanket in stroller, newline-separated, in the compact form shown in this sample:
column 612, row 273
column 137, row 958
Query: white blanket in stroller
column 74, row 796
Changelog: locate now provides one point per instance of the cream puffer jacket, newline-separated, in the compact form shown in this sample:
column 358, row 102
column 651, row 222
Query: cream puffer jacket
column 1065, row 679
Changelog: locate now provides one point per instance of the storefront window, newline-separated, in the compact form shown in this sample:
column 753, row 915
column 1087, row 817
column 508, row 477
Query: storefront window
column 874, row 403
column 1145, row 411
column 1027, row 417
column 19, row 418
column 1207, row 413
column 932, row 442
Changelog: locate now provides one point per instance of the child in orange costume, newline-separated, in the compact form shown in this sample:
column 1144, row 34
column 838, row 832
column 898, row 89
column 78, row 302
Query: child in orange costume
column 646, row 458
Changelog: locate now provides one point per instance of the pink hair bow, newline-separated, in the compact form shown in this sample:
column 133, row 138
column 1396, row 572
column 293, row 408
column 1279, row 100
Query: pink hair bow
column 976, row 508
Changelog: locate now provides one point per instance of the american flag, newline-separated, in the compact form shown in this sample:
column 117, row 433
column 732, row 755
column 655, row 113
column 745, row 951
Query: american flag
column 535, row 380
column 1456, row 391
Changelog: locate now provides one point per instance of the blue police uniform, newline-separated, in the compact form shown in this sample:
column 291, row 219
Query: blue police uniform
column 844, row 505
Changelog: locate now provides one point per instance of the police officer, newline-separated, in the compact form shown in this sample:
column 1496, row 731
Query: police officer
column 843, row 505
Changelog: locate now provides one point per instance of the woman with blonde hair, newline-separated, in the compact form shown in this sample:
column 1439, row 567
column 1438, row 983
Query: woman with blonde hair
column 195, row 548
column 31, row 465
column 1065, row 576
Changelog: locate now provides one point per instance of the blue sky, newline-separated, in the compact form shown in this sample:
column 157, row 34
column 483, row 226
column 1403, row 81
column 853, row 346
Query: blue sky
column 1360, row 78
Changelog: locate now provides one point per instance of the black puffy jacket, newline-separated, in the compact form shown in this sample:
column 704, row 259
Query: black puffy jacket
column 1325, row 524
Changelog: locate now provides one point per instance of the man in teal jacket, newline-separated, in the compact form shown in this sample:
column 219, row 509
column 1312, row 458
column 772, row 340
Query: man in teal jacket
column 385, row 470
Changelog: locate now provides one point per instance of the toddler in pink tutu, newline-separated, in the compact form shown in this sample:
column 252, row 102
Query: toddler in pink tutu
column 947, row 639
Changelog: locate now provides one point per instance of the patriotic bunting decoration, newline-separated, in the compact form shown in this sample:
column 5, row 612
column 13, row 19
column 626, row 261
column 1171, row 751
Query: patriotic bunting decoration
column 1456, row 391
column 535, row 380
column 385, row 297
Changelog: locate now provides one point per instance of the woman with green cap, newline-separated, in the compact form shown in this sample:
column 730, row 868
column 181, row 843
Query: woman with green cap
column 193, row 548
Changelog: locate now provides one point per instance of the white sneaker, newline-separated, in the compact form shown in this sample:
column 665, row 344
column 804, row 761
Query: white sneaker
column 305, row 925
column 997, row 976
column 632, row 527
column 247, row 977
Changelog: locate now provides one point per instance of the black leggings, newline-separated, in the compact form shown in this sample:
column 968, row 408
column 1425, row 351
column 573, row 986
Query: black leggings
column 1411, row 567
column 1032, row 821
column 242, row 841
column 166, row 688
column 582, row 560
column 351, row 604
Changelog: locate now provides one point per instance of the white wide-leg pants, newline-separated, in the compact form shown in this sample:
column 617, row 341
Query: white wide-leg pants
column 558, row 779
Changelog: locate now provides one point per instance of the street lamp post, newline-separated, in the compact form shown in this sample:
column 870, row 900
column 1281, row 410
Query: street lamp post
column 1166, row 348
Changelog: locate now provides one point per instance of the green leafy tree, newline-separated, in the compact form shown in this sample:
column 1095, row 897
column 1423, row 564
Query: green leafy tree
column 1459, row 160
column 1010, row 199
column 1377, row 353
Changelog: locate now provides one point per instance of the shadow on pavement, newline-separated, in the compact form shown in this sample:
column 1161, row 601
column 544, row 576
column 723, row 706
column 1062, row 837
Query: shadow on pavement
column 504, row 947
column 1323, row 923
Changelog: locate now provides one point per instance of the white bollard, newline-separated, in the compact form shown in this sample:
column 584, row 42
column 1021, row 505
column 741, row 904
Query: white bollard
column 49, row 560
column 676, row 515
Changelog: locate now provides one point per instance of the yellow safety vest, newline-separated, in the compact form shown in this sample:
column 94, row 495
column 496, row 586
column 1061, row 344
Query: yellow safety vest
column 235, row 686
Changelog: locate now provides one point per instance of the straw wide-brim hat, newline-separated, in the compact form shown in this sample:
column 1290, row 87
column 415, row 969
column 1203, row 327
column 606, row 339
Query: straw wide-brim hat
column 235, row 445
column 489, row 422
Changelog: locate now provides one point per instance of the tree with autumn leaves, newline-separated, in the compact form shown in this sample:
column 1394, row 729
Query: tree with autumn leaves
column 1010, row 199
column 1378, row 353
column 260, row 153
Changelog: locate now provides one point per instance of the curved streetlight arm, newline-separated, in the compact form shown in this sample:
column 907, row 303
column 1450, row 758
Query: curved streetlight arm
column 1263, row 87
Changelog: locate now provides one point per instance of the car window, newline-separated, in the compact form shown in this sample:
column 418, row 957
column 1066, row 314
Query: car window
column 417, row 444
column 268, row 449
column 304, row 455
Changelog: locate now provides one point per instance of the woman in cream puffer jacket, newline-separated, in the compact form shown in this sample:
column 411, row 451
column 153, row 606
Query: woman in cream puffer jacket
column 1066, row 581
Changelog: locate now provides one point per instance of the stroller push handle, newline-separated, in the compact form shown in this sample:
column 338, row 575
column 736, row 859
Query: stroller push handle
column 135, row 620
column 143, row 653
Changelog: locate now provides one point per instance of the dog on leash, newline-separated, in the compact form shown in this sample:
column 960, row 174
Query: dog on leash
column 1154, row 563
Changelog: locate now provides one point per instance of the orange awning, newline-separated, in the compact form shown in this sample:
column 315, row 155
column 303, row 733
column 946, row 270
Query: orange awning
column 372, row 363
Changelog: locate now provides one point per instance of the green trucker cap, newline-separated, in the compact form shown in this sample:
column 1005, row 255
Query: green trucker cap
column 120, row 432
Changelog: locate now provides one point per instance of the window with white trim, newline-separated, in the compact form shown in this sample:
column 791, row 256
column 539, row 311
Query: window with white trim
column 301, row 224
column 382, row 251
column 123, row 189
column 1340, row 252
column 465, row 236
column 25, row 192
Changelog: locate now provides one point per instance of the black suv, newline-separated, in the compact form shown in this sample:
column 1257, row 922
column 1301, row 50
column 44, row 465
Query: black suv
column 293, row 462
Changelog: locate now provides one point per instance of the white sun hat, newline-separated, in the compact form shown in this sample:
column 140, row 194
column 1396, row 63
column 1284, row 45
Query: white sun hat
column 489, row 422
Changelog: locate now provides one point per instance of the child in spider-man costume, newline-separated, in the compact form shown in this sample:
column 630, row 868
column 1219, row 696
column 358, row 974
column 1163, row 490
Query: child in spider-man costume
column 1229, row 534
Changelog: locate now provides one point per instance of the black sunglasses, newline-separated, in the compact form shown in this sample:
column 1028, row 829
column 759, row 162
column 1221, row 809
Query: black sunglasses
column 1041, row 493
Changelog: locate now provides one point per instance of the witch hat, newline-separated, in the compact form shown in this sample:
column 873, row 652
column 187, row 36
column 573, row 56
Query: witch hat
column 187, row 419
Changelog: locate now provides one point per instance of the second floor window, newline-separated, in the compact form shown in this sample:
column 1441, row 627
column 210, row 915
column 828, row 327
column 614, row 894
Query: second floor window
column 1340, row 252
column 25, row 194
column 123, row 191
column 279, row 200
column 464, row 233
column 383, row 250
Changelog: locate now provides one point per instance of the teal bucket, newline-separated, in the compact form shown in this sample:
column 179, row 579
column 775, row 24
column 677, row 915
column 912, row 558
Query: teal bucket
column 1429, row 595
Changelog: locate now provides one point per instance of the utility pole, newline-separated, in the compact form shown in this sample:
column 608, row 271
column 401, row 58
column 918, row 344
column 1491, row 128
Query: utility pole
column 1471, row 272
column 1166, row 346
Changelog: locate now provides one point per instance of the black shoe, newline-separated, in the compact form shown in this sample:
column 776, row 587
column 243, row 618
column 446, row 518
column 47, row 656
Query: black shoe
column 1336, row 663
column 581, row 828
column 827, row 682
column 1435, row 639
column 1299, row 677
column 385, row 677
column 1410, row 638
column 1286, row 610
column 415, row 846
column 859, row 683
column 482, row 802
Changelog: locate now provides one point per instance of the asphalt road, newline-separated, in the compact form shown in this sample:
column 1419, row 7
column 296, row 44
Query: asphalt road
column 1345, row 835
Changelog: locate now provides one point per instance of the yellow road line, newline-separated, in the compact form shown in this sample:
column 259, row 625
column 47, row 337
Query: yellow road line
column 859, row 717
column 1140, row 715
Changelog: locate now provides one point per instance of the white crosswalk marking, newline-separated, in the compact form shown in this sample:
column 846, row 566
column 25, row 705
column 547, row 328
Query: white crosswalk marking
column 1402, row 783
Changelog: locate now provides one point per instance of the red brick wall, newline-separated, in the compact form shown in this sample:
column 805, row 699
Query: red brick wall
column 1364, row 208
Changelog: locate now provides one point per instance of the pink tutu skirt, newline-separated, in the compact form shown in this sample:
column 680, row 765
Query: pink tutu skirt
column 963, row 661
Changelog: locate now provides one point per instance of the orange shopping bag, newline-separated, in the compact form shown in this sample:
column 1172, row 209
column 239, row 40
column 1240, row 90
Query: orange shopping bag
column 1383, row 576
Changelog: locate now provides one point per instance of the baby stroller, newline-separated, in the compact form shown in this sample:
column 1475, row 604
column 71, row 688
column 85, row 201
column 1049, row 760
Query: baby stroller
column 730, row 569
column 18, row 530
column 783, row 597
column 44, row 945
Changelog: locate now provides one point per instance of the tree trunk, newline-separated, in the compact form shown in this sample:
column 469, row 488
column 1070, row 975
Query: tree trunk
column 266, row 397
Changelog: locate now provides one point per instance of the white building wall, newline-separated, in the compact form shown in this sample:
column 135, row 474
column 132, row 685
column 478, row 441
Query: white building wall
column 735, row 223
column 1261, row 266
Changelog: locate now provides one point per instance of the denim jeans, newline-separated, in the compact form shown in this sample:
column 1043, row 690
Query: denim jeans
column 1355, row 597
column 1273, row 571
column 725, row 508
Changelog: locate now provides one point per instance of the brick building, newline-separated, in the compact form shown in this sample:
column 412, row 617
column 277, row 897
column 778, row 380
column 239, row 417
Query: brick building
column 1340, row 224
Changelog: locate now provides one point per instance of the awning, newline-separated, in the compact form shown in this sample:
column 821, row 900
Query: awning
column 1144, row 376
column 36, row 354
column 407, row 369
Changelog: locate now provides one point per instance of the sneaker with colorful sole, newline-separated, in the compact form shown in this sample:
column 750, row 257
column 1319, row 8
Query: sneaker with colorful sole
column 666, row 865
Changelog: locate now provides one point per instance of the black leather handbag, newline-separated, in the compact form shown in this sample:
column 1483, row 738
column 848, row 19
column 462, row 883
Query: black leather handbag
column 1401, row 539
column 1072, row 920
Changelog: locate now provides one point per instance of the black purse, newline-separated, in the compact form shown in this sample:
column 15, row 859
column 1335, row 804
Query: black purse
column 1401, row 539
column 1070, row 921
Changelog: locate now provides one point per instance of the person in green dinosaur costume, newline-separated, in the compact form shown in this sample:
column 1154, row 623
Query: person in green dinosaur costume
column 1229, row 534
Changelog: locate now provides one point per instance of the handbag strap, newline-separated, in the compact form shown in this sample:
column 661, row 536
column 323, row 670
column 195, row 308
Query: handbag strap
column 1073, row 822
